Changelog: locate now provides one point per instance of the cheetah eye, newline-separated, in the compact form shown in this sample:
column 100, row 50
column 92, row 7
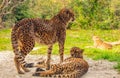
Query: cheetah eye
column 67, row 12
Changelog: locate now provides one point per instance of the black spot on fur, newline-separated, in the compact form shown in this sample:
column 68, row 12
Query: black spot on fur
column 39, row 69
column 29, row 65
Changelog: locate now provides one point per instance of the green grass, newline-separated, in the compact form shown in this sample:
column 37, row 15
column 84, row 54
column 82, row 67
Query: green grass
column 5, row 42
column 80, row 38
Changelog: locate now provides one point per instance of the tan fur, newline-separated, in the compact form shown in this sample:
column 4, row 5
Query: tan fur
column 30, row 30
column 99, row 43
column 72, row 67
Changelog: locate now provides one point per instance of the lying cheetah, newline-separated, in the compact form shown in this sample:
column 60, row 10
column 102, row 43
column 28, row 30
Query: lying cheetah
column 72, row 67
column 99, row 43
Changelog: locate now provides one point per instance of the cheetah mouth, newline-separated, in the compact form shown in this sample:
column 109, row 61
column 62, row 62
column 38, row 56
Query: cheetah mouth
column 73, row 19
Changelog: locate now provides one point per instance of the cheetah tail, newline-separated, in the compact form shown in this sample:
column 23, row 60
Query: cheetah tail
column 14, row 41
column 115, row 43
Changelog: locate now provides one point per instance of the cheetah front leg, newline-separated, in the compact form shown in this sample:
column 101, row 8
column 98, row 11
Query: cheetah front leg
column 44, row 73
column 61, row 50
column 61, row 42
column 48, row 57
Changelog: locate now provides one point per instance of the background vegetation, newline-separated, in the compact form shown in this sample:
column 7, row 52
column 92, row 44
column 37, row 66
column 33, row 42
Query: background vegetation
column 93, row 17
column 90, row 14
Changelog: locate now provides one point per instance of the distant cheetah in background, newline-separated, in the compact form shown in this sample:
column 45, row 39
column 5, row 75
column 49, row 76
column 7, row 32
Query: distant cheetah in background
column 27, row 31
column 99, row 43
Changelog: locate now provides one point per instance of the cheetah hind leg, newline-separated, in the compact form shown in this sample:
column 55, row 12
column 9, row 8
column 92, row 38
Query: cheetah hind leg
column 26, row 49
column 17, row 64
column 26, row 66
column 26, row 44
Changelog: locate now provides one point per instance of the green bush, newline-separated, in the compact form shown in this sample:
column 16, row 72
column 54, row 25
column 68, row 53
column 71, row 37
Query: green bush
column 90, row 14
column 94, row 14
column 23, row 11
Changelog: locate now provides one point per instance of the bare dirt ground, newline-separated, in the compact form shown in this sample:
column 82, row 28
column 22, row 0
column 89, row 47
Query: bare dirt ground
column 98, row 69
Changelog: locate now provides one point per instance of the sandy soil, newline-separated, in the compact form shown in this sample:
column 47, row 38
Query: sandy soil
column 98, row 69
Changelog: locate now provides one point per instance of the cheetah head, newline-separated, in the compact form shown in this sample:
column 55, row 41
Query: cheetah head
column 96, row 38
column 76, row 52
column 66, row 15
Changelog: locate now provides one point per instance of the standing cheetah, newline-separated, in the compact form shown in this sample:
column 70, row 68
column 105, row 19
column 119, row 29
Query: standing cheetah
column 47, row 32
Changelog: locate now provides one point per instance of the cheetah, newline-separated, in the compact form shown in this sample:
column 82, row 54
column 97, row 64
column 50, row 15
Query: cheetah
column 44, row 31
column 99, row 43
column 72, row 67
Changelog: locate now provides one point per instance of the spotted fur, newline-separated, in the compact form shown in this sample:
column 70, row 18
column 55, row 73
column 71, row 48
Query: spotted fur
column 47, row 32
column 72, row 67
